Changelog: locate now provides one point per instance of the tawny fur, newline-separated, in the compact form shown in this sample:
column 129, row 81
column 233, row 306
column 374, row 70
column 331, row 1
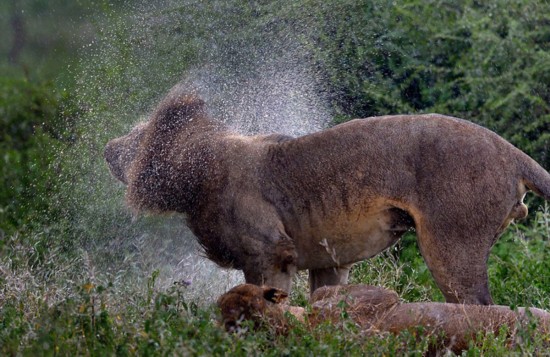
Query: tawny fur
column 270, row 205
column 259, row 304
column 378, row 310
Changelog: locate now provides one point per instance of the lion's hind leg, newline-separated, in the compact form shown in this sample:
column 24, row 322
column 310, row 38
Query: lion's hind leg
column 457, row 259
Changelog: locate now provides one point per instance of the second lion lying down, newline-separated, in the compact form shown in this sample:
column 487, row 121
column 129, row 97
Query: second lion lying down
column 376, row 309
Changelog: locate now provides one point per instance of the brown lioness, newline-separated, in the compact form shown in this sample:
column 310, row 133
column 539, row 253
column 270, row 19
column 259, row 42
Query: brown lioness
column 378, row 310
column 271, row 204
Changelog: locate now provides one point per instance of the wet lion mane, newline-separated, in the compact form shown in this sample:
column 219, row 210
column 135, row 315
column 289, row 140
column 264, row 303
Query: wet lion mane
column 155, row 175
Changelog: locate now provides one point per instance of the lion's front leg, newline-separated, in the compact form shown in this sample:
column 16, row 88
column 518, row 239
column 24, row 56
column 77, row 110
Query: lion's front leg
column 274, row 265
column 328, row 276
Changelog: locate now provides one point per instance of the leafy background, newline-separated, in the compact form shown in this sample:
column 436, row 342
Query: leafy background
column 80, row 275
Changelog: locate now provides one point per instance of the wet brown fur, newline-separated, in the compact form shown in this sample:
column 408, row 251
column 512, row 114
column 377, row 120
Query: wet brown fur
column 378, row 310
column 259, row 304
column 271, row 205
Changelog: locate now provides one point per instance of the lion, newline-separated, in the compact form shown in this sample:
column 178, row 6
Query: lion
column 263, row 305
column 378, row 310
column 271, row 205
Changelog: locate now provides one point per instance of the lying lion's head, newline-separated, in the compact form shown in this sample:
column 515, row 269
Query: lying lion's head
column 251, row 302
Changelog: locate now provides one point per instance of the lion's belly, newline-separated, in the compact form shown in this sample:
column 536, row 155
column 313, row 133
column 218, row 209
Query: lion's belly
column 346, row 239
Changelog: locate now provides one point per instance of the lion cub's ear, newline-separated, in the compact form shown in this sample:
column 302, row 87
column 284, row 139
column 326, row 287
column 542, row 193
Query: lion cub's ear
column 274, row 295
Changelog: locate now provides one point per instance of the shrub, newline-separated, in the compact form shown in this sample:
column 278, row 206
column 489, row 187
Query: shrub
column 31, row 132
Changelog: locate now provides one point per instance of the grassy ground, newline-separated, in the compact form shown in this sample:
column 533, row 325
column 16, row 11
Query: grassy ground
column 47, row 310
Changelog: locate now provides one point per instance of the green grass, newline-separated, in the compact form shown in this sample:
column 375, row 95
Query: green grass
column 59, row 307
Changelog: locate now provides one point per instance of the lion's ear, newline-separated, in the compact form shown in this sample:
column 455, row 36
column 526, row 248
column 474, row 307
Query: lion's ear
column 274, row 295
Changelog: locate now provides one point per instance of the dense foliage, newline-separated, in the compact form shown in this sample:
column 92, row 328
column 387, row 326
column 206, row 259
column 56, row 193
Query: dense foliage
column 62, row 217
column 483, row 61
column 29, row 131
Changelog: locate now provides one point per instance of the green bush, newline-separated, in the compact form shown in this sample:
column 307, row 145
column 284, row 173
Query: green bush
column 487, row 62
column 30, row 134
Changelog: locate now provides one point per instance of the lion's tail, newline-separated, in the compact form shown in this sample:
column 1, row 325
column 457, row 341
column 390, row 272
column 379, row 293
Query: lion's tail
column 536, row 178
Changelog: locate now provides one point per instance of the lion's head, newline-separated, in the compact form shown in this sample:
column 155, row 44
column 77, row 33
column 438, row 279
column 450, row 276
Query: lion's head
column 121, row 152
column 251, row 302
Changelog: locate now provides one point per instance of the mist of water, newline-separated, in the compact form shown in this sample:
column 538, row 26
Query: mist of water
column 266, row 85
